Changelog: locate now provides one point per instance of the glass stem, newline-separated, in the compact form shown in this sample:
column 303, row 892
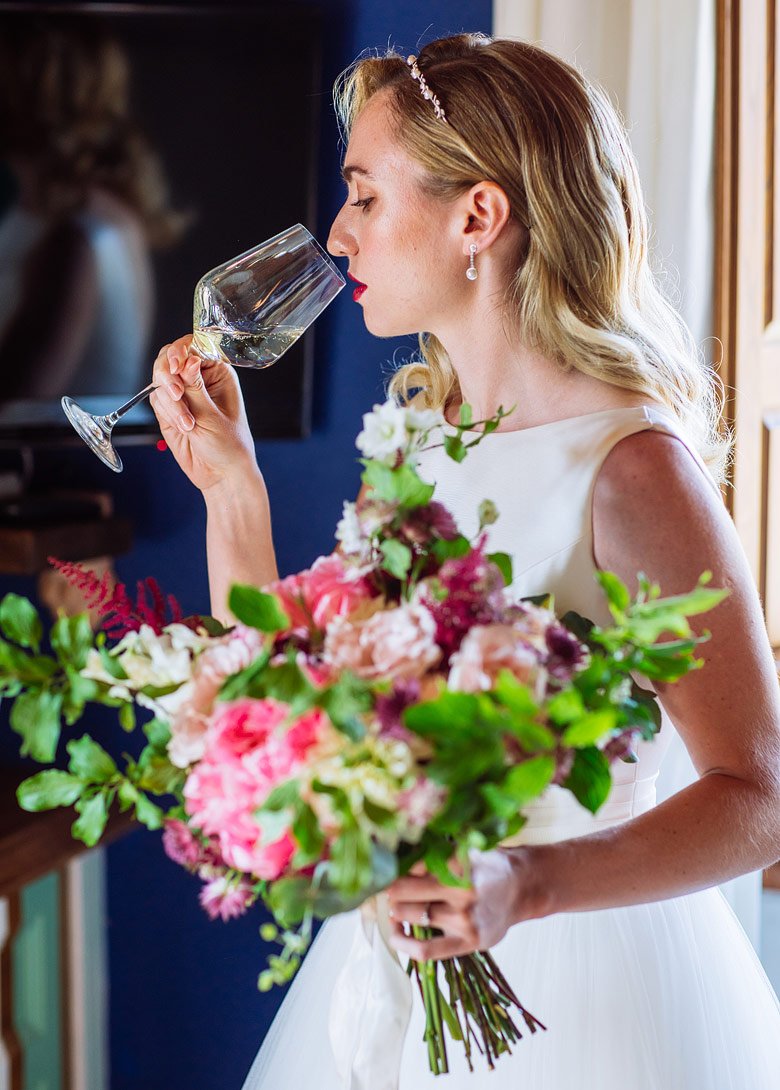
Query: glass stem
column 117, row 414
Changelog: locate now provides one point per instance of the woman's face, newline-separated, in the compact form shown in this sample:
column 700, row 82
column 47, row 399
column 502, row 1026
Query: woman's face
column 405, row 246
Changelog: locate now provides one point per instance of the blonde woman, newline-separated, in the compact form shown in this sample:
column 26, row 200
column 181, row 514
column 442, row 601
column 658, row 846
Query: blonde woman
column 493, row 203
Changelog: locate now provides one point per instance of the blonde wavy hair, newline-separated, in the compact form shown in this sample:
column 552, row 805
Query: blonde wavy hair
column 583, row 291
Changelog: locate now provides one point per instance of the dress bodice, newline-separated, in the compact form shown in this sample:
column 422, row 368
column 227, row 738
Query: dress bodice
column 542, row 481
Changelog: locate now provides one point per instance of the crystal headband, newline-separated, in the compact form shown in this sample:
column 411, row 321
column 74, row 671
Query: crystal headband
column 425, row 90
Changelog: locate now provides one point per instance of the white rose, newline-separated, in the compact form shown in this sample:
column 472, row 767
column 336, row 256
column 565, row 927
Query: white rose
column 384, row 433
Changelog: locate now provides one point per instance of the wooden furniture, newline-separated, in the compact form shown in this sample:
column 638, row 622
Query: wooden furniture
column 51, row 958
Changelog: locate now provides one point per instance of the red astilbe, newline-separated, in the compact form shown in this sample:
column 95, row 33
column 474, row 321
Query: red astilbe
column 119, row 613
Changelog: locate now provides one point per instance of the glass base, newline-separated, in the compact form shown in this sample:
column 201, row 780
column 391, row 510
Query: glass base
column 95, row 433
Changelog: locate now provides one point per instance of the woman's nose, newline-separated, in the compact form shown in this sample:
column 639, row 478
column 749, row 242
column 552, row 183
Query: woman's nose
column 341, row 243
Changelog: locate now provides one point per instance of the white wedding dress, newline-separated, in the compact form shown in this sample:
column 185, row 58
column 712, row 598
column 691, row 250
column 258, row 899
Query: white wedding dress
column 662, row 996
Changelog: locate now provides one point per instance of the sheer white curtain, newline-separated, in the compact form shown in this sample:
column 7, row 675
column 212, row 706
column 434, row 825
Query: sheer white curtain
column 657, row 62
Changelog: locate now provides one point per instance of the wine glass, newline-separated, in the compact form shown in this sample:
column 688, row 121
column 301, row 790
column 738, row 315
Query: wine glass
column 247, row 312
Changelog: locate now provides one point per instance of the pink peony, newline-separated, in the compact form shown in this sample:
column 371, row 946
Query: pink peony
column 249, row 751
column 326, row 590
column 225, row 899
column 397, row 643
column 486, row 651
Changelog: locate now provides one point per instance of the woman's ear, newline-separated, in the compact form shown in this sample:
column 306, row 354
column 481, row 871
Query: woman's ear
column 486, row 211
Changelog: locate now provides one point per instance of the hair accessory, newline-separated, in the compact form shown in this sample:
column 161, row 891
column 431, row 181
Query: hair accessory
column 471, row 271
column 425, row 90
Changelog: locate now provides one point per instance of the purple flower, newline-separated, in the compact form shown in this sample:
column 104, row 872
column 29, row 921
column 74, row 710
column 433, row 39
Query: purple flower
column 433, row 520
column 474, row 594
column 391, row 706
column 566, row 652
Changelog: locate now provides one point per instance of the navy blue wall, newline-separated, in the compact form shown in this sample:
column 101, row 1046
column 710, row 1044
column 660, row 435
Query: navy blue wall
column 185, row 1011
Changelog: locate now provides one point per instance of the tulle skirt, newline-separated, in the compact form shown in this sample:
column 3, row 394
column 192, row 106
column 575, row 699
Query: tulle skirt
column 663, row 996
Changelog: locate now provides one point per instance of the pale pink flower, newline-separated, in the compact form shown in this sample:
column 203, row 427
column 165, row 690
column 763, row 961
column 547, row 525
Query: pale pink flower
column 486, row 650
column 225, row 899
column 419, row 804
column 189, row 724
column 398, row 643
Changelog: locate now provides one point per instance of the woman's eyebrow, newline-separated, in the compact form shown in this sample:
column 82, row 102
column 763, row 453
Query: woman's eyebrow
column 348, row 171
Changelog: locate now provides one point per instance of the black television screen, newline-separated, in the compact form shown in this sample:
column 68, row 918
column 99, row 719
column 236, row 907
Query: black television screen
column 140, row 147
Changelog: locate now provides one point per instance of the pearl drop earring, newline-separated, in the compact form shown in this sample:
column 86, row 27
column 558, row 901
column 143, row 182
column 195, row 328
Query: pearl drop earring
column 471, row 271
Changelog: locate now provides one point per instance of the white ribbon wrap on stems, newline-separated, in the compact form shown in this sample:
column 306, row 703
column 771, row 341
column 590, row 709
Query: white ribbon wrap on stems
column 371, row 1005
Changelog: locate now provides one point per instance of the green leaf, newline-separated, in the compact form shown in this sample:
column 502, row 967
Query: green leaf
column 344, row 702
column 35, row 715
column 466, row 417
column 238, row 685
column 288, row 899
column 127, row 795
column 401, row 485
column 290, row 685
column 20, row 621
column 210, row 625
column 284, row 796
column 513, row 694
column 565, row 707
column 257, row 609
column 397, row 558
column 503, row 562
column 48, row 789
column 453, row 446
column 148, row 813
column 155, row 773
column 308, row 836
column 590, row 728
column 488, row 514
column 71, row 639
column 273, row 824
column 526, row 781
column 615, row 590
column 127, row 717
column 111, row 664
column 92, row 821
column 89, row 761
column 158, row 734
column 447, row 550
column 448, row 713
column 590, row 779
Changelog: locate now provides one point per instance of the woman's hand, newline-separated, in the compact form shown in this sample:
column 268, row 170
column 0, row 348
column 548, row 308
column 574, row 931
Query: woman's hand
column 505, row 889
column 201, row 414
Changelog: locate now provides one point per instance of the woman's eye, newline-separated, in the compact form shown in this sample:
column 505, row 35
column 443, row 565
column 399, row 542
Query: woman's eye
column 363, row 203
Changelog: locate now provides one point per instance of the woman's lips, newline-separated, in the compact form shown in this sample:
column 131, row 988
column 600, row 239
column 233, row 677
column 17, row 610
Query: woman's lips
column 361, row 287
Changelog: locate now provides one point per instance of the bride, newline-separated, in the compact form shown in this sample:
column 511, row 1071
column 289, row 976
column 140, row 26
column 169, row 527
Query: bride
column 492, row 202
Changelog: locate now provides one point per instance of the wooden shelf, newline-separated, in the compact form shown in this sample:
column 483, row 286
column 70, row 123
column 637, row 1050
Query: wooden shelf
column 32, row 845
column 24, row 550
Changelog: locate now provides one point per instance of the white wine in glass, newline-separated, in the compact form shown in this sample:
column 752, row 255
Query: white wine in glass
column 247, row 312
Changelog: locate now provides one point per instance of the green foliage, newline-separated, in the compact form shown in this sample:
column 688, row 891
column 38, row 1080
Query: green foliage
column 89, row 761
column 401, row 485
column 590, row 778
column 35, row 715
column 504, row 564
column 397, row 557
column 71, row 640
column 344, row 702
column 257, row 609
column 48, row 789
column 93, row 815
column 20, row 622
column 455, row 447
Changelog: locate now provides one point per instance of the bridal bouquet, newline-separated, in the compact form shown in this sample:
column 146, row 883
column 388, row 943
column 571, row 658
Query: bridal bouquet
column 393, row 704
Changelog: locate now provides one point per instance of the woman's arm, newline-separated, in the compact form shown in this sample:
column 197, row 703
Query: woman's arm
column 202, row 418
column 653, row 511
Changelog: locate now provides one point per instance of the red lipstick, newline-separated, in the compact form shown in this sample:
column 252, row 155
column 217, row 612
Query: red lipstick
column 361, row 287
